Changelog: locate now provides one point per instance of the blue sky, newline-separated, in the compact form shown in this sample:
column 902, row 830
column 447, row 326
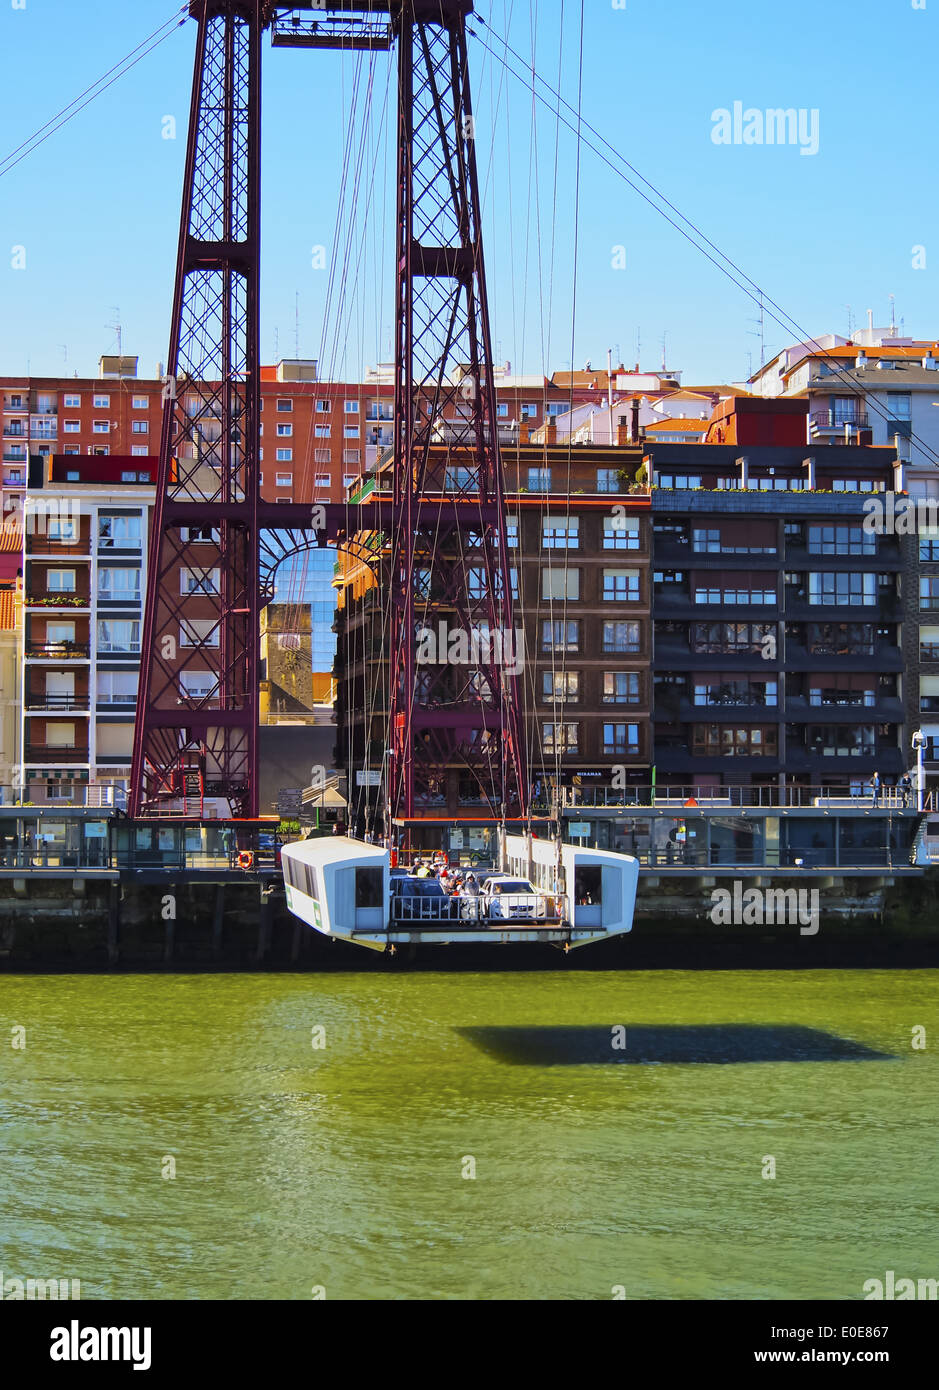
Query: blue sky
column 97, row 205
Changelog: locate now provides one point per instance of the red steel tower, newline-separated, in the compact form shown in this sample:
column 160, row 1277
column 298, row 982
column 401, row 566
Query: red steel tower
column 450, row 719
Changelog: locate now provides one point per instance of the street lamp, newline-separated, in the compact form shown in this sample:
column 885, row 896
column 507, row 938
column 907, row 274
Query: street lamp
column 919, row 748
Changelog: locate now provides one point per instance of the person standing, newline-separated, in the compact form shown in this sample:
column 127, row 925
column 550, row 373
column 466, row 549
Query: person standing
column 875, row 788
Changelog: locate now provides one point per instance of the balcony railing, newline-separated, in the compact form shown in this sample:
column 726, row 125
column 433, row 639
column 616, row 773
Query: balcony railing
column 834, row 420
column 53, row 754
column 37, row 699
column 685, row 798
column 58, row 651
column 65, row 600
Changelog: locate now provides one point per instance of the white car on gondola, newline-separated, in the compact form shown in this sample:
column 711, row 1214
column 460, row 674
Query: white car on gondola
column 503, row 898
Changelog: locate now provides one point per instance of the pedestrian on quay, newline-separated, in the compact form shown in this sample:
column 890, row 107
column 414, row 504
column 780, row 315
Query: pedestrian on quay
column 875, row 788
column 906, row 786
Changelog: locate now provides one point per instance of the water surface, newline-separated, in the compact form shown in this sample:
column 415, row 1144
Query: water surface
column 342, row 1166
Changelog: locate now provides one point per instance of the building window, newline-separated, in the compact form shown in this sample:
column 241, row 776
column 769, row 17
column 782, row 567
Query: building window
column 719, row 741
column 117, row 687
column 284, row 455
column 284, row 407
column 733, row 638
column 350, row 432
column 118, row 635
column 192, row 581
column 322, row 407
column 929, row 591
column 621, row 688
column 194, row 535
column 929, row 549
column 60, row 581
column 539, row 480
column 64, row 529
column 60, row 735
column 323, row 431
column 139, row 451
column 621, row 637
column 322, row 455
column 857, row 485
column 621, row 738
column 352, row 455
column 851, row 589
column 560, row 687
column 511, row 532
column 198, row 632
column 529, row 411
column 900, row 405
column 621, row 533
column 72, row 402
column 140, row 427
column 121, row 532
column 560, row 533
column 502, row 410
column 734, row 690
column 608, row 480
column 560, row 738
column 101, row 427
column 198, row 685
column 140, row 403
column 101, row 402
column 323, row 480
column 560, row 584
column 560, row 635
column 71, row 426
column 284, row 431
column 841, row 740
column 348, row 479
column 746, row 590
column 119, row 585
column 621, row 586
column 283, row 479
column 841, row 540
column 351, row 407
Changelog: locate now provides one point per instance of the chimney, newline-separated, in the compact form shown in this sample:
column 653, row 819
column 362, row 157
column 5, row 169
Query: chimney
column 524, row 430
column 551, row 432
column 634, row 427
column 860, row 362
column 929, row 361
column 622, row 433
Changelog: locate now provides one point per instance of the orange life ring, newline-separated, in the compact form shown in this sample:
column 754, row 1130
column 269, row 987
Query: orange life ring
column 245, row 859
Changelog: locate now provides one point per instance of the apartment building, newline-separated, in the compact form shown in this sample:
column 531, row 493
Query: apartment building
column 84, row 577
column 579, row 530
column 777, row 618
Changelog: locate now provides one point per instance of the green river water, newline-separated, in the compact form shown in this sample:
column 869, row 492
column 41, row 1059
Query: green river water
column 601, row 1158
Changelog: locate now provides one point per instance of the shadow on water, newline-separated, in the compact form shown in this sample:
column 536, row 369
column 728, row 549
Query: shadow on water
column 647, row 1046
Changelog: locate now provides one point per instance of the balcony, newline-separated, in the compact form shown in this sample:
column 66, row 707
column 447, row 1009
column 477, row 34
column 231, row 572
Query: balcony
column 47, row 600
column 59, row 651
column 41, row 700
column 53, row 755
column 14, row 432
column 834, row 421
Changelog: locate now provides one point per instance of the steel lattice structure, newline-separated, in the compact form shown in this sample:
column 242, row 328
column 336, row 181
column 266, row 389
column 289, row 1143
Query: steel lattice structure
column 449, row 558
column 196, row 736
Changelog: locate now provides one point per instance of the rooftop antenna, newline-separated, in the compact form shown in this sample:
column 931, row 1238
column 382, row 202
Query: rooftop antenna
column 664, row 339
column 296, row 326
column 63, row 348
column 638, row 348
column 850, row 322
column 749, row 364
column 276, row 344
column 893, row 316
column 116, row 325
